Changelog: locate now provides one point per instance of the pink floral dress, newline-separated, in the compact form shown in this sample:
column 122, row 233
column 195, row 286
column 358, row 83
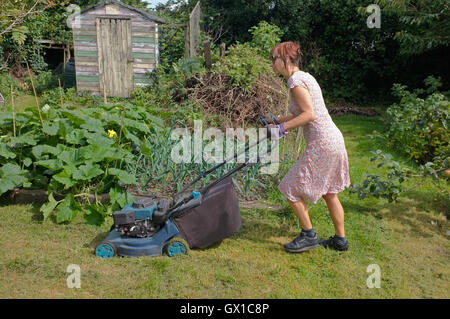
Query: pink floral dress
column 323, row 166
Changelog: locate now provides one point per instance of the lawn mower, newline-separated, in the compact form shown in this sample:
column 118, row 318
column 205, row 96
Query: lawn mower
column 153, row 226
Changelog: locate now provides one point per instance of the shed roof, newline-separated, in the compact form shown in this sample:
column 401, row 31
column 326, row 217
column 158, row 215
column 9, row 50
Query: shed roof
column 146, row 15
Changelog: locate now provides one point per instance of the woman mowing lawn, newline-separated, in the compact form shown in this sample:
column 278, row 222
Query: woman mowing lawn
column 322, row 170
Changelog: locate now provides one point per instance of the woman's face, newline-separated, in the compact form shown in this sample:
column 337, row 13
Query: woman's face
column 277, row 64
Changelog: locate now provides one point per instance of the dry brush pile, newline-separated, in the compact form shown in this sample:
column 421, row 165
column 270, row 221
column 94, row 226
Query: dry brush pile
column 216, row 95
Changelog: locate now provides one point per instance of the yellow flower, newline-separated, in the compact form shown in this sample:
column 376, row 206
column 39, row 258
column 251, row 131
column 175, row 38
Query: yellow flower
column 112, row 133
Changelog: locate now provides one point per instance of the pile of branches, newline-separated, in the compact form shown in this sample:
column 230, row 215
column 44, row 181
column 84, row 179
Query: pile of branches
column 216, row 95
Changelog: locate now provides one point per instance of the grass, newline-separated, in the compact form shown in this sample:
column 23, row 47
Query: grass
column 408, row 240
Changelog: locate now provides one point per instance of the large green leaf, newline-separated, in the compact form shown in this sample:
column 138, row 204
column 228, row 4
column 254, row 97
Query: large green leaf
column 72, row 156
column 40, row 149
column 65, row 176
column 52, row 164
column 97, row 153
column 5, row 152
column 51, row 129
column 118, row 198
column 87, row 172
column 123, row 176
column 28, row 138
column 48, row 207
column 94, row 215
column 136, row 125
column 11, row 176
column 68, row 209
column 75, row 136
column 98, row 139
column 93, row 125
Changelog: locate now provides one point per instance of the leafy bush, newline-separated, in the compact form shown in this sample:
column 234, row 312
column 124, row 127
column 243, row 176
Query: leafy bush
column 6, row 81
column 264, row 37
column 420, row 125
column 44, row 81
column 73, row 153
column 243, row 64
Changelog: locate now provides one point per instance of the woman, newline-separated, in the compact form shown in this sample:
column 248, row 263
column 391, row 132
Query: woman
column 322, row 170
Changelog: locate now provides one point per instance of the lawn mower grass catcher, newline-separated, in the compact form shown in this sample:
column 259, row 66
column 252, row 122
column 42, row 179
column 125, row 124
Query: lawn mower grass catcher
column 151, row 226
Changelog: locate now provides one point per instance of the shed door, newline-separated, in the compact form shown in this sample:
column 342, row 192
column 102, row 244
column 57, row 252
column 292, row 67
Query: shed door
column 115, row 56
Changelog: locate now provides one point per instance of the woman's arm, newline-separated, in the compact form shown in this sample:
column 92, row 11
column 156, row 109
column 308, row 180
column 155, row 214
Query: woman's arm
column 304, row 101
column 285, row 118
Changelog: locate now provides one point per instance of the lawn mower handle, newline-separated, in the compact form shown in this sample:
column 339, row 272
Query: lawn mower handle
column 263, row 121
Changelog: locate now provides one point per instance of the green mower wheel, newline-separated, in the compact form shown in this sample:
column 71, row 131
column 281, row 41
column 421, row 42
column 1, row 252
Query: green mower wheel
column 176, row 246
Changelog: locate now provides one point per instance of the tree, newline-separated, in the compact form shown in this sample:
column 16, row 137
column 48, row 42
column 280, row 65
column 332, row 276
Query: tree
column 14, row 12
column 425, row 24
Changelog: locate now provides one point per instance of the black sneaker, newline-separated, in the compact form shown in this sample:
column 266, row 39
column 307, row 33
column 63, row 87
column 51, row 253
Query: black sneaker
column 334, row 243
column 302, row 243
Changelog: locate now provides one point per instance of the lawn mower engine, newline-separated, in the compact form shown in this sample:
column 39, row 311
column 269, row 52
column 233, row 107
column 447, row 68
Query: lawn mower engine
column 126, row 223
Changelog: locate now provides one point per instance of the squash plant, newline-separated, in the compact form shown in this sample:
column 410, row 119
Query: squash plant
column 74, row 153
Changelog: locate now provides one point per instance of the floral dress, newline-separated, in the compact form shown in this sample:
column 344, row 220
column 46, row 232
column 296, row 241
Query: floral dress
column 323, row 166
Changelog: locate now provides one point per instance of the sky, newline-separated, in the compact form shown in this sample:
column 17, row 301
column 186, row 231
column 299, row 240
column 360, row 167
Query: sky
column 153, row 3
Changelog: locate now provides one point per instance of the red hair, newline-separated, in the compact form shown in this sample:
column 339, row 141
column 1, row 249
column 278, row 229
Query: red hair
column 288, row 51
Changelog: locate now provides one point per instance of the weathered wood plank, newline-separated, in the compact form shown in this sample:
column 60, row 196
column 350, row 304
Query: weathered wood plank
column 143, row 40
column 141, row 75
column 140, row 80
column 84, row 33
column 142, row 70
column 85, row 43
column 82, row 28
column 150, row 33
column 144, row 55
column 85, row 48
column 144, row 45
column 85, row 37
column 85, row 22
column 87, row 78
column 144, row 28
column 145, row 66
column 87, row 73
column 144, row 61
column 87, row 68
column 87, row 87
column 86, row 60
column 144, row 50
column 97, row 11
column 85, row 53
column 145, row 23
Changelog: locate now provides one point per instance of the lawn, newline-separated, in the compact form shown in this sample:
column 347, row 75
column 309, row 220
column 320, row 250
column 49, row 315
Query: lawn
column 408, row 240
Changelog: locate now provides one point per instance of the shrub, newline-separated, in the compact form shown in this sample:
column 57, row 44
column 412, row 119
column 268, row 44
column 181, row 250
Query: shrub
column 420, row 125
column 5, row 85
column 264, row 37
column 243, row 64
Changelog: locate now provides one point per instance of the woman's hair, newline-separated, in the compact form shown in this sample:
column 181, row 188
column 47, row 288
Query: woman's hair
column 289, row 51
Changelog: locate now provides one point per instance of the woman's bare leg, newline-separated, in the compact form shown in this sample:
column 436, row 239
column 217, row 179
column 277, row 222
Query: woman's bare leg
column 336, row 212
column 301, row 211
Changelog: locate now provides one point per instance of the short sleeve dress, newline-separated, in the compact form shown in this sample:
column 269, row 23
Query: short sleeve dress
column 323, row 166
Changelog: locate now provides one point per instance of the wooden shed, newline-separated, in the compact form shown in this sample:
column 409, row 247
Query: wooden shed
column 115, row 45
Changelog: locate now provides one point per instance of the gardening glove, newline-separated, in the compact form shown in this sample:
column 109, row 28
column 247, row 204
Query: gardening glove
column 275, row 132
